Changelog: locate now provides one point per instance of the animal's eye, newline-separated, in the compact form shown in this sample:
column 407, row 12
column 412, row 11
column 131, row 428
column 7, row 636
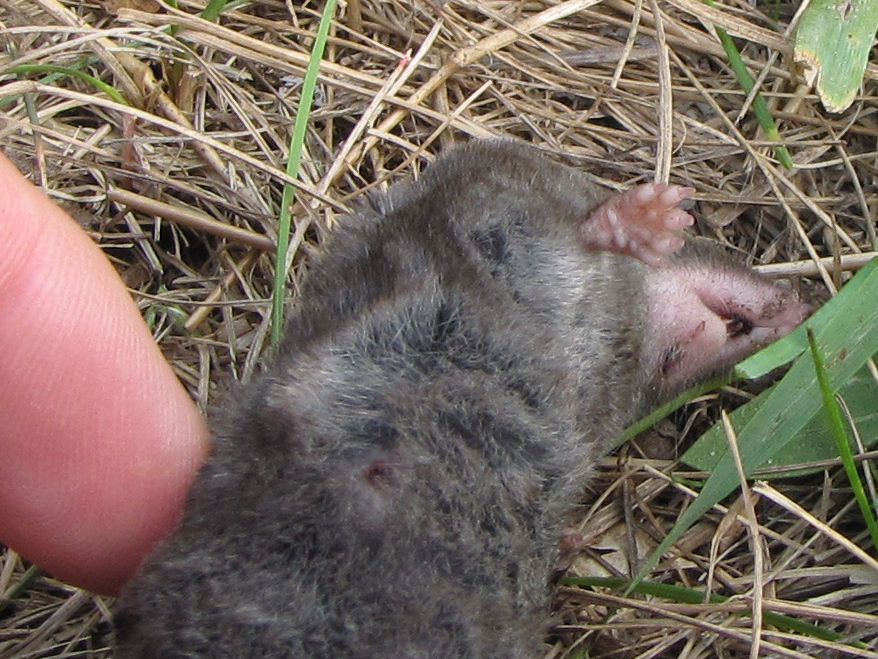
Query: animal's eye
column 672, row 357
column 380, row 475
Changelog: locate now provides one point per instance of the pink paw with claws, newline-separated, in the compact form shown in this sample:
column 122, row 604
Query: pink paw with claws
column 643, row 222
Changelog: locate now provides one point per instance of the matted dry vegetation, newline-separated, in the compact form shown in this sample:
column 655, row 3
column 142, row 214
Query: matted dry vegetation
column 181, row 189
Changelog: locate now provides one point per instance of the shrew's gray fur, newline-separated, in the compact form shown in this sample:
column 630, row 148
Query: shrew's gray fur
column 394, row 485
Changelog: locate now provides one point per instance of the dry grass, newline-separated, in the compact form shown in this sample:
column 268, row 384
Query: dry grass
column 206, row 131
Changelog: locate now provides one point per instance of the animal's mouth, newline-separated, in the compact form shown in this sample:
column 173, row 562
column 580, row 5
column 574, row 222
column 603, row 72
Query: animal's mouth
column 737, row 325
column 704, row 317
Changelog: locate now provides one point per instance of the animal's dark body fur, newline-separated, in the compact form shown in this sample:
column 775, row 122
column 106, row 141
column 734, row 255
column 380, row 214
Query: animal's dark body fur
column 394, row 485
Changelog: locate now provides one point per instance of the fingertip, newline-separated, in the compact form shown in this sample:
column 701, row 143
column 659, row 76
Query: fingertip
column 99, row 440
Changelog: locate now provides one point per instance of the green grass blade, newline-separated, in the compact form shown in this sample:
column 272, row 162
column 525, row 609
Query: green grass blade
column 833, row 41
column 685, row 595
column 842, row 440
column 774, row 355
column 213, row 10
column 98, row 84
column 813, row 444
column 847, row 330
column 760, row 107
column 30, row 575
column 296, row 143
column 671, row 406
